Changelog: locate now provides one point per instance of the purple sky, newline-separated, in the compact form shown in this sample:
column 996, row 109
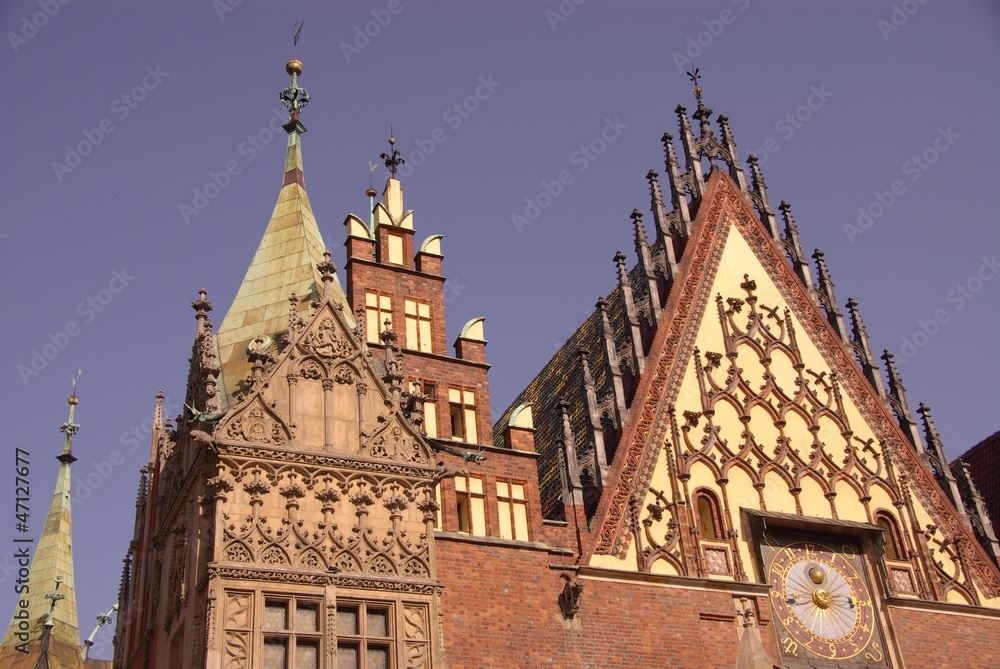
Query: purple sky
column 885, row 85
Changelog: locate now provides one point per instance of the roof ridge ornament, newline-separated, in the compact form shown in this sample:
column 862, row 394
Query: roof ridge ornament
column 294, row 97
column 392, row 159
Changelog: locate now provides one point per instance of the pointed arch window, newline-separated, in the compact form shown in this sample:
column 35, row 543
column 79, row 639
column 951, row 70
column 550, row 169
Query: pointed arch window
column 893, row 542
column 706, row 506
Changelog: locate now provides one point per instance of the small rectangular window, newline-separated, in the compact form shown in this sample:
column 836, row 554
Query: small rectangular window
column 513, row 511
column 292, row 634
column 463, row 415
column 365, row 635
column 378, row 310
column 470, row 505
column 418, row 325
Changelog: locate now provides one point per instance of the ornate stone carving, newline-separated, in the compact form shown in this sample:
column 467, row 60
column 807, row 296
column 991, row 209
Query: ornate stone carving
column 569, row 598
column 415, row 636
column 258, row 424
column 324, row 342
column 344, row 375
column 237, row 650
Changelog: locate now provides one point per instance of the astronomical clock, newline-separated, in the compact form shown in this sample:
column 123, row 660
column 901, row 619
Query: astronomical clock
column 822, row 599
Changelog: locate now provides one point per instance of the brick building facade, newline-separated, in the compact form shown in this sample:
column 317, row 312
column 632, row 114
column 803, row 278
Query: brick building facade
column 711, row 472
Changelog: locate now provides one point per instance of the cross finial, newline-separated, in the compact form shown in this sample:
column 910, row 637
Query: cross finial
column 392, row 159
column 693, row 76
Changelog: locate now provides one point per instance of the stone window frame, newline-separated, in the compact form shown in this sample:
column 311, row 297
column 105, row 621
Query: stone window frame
column 712, row 509
column 291, row 637
column 363, row 638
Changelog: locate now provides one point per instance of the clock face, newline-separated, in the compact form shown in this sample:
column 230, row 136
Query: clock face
column 821, row 598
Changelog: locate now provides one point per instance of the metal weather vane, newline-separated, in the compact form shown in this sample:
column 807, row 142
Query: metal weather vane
column 693, row 76
column 392, row 159
column 294, row 97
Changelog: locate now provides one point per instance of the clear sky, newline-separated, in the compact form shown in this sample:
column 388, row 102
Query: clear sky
column 118, row 114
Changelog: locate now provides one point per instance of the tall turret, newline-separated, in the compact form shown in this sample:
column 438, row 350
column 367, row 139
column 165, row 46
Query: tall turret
column 44, row 631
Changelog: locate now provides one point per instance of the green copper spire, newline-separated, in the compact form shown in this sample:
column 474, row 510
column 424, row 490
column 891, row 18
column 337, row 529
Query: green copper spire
column 51, row 596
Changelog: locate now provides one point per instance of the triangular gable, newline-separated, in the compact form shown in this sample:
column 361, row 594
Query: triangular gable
column 319, row 390
column 725, row 220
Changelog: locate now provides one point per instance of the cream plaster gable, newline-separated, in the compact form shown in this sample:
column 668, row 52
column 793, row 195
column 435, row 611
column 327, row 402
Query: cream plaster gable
column 750, row 396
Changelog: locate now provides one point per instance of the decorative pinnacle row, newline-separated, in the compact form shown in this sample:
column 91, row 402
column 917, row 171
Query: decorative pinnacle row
column 863, row 349
column 793, row 245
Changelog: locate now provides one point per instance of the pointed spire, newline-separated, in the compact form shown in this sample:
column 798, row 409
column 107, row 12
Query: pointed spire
column 678, row 195
column 329, row 272
column 51, row 600
column 976, row 507
column 393, row 362
column 703, row 113
column 735, row 171
column 794, row 247
column 665, row 228
column 899, row 405
column 646, row 264
column 827, row 298
column 863, row 349
column 614, row 365
column 939, row 462
column 692, row 163
column 758, row 195
column 287, row 260
column 628, row 303
column 572, row 486
column 596, row 429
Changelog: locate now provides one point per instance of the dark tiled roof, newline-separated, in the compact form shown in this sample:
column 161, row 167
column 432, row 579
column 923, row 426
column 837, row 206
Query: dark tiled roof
column 561, row 379
column 984, row 465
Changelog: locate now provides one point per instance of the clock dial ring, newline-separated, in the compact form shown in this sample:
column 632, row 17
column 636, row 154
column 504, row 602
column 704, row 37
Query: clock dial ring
column 821, row 600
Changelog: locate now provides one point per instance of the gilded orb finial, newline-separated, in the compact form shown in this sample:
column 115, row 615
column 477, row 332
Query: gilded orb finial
column 294, row 66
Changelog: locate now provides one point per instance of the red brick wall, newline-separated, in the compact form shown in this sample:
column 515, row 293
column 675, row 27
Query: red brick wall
column 944, row 641
column 501, row 610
